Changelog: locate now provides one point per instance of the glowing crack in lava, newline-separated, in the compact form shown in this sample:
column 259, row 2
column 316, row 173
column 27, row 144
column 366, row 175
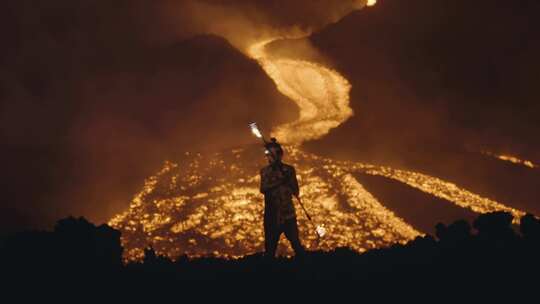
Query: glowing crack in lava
column 211, row 205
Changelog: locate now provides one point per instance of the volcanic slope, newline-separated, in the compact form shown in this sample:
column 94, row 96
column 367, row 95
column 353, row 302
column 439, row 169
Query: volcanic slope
column 209, row 204
column 434, row 88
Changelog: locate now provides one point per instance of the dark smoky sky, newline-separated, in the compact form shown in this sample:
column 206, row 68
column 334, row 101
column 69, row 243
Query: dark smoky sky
column 472, row 66
column 95, row 95
column 434, row 82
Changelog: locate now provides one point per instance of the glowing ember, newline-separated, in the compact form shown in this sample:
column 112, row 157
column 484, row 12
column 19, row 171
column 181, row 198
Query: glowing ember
column 371, row 2
column 321, row 231
column 516, row 160
column 255, row 130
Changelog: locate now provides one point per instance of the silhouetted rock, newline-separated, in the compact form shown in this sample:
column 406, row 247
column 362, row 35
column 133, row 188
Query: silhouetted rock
column 495, row 228
column 455, row 233
column 79, row 251
column 76, row 247
column 530, row 227
column 80, row 240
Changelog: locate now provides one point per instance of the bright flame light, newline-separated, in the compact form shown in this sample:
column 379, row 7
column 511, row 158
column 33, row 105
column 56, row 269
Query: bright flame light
column 321, row 231
column 371, row 2
column 255, row 130
column 516, row 160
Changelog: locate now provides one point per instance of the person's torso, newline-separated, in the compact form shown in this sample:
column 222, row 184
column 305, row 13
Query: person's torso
column 279, row 200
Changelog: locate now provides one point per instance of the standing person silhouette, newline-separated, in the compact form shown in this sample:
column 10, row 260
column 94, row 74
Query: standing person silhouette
column 279, row 184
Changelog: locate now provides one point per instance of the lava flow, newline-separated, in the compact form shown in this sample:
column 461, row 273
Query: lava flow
column 322, row 94
column 512, row 159
column 211, row 205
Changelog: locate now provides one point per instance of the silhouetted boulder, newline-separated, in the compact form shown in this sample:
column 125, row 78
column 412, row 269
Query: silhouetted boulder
column 454, row 233
column 493, row 223
column 495, row 230
column 427, row 241
column 108, row 248
column 77, row 250
column 530, row 227
column 81, row 243
column 149, row 255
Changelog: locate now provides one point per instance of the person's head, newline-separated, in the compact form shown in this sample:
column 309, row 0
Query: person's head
column 275, row 152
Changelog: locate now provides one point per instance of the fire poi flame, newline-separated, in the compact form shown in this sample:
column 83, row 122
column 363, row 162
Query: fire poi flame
column 255, row 130
column 321, row 231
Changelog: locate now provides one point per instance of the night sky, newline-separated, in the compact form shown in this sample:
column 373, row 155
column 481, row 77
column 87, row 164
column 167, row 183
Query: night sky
column 95, row 95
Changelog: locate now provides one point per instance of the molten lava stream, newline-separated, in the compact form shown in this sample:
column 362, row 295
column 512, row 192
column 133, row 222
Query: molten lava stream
column 511, row 159
column 321, row 93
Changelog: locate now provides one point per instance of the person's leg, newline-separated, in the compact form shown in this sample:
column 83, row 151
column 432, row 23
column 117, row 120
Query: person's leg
column 291, row 232
column 271, row 239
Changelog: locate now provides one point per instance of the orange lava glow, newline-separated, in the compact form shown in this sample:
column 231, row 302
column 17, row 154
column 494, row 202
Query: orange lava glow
column 211, row 205
column 371, row 2
column 321, row 93
column 512, row 159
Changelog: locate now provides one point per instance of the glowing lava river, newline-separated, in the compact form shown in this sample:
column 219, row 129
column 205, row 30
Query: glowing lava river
column 211, row 205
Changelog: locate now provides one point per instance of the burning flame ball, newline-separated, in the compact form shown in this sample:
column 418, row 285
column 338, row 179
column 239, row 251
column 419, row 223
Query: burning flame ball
column 255, row 130
column 321, row 231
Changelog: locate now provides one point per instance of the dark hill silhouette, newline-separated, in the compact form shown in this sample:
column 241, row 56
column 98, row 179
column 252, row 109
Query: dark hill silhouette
column 487, row 254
